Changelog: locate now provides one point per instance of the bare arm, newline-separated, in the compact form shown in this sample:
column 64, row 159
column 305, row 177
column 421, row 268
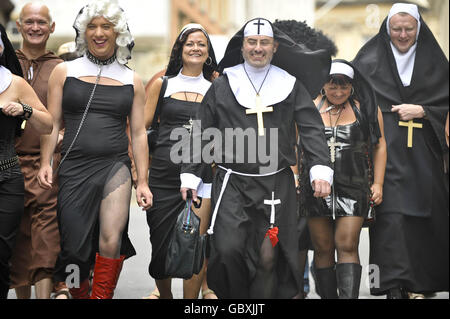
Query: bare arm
column 379, row 164
column 152, row 100
column 139, row 144
column 40, row 119
column 48, row 142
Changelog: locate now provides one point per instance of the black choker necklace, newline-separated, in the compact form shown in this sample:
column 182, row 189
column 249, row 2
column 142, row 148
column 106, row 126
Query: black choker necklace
column 97, row 61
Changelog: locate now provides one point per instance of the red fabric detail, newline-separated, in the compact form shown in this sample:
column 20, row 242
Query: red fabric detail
column 273, row 235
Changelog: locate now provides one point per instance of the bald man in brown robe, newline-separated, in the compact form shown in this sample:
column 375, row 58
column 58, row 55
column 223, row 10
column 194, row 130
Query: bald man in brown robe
column 37, row 243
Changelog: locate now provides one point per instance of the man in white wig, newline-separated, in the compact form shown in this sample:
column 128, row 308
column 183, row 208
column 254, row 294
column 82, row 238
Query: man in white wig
column 409, row 72
column 264, row 92
column 93, row 96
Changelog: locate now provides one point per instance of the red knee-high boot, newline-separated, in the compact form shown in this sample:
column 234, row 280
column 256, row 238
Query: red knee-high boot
column 106, row 275
column 82, row 292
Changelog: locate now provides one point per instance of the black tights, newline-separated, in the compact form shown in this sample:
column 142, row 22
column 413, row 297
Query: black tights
column 264, row 282
column 342, row 236
column 114, row 211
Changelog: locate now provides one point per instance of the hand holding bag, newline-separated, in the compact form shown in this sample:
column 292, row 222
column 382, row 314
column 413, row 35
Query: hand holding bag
column 153, row 130
column 186, row 249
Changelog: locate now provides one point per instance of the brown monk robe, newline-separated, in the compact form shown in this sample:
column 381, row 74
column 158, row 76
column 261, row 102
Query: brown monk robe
column 37, row 244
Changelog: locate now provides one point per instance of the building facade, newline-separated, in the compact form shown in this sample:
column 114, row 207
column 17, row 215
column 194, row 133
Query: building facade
column 350, row 23
column 156, row 23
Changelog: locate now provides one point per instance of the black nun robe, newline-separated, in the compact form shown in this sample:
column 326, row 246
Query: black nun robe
column 409, row 241
column 244, row 213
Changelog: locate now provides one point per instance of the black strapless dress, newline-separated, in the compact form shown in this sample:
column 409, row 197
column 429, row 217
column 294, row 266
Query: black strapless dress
column 97, row 165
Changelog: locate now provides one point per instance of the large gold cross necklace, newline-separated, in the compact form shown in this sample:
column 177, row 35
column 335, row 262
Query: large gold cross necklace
column 259, row 109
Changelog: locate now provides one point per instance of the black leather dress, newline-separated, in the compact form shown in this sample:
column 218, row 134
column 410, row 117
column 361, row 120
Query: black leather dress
column 350, row 195
column 11, row 197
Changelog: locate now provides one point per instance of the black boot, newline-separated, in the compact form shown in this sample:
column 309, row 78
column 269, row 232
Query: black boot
column 348, row 276
column 326, row 282
column 397, row 293
column 4, row 289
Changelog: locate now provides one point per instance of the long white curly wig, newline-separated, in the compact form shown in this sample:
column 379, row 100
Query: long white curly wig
column 110, row 10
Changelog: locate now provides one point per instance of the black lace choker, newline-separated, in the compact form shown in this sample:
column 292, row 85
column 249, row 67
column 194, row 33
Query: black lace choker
column 97, row 61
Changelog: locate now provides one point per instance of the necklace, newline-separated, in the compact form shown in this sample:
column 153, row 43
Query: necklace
column 97, row 61
column 259, row 109
column 338, row 113
column 196, row 97
column 265, row 77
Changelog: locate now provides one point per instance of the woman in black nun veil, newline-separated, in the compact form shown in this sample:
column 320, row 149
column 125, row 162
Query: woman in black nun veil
column 190, row 72
column 354, row 131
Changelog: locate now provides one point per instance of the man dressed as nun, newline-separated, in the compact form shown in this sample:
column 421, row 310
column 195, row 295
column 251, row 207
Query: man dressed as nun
column 264, row 93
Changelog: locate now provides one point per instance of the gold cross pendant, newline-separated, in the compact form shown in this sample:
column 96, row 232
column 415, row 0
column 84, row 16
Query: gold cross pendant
column 259, row 110
column 411, row 125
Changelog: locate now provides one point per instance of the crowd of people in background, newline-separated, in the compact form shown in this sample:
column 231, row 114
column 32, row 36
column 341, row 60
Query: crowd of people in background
column 320, row 148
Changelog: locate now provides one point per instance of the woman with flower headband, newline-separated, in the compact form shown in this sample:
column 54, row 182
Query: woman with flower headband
column 190, row 73
column 18, row 102
column 93, row 96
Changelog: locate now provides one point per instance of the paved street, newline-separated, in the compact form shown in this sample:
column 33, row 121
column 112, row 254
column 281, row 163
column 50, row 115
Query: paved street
column 135, row 281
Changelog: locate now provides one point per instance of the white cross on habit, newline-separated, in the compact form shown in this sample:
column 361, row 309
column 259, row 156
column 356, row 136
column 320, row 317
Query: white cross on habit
column 272, row 203
column 259, row 110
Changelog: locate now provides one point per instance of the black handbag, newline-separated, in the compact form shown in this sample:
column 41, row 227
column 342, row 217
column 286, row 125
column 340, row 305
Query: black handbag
column 186, row 250
column 153, row 130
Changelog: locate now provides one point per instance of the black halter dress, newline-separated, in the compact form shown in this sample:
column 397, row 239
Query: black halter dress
column 164, row 181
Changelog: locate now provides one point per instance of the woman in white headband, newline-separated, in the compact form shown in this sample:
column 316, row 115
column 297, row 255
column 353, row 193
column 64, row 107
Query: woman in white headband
column 354, row 131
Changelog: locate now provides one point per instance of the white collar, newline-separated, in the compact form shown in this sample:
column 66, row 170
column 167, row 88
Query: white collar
column 82, row 66
column 276, row 87
column 405, row 63
column 5, row 78
column 184, row 83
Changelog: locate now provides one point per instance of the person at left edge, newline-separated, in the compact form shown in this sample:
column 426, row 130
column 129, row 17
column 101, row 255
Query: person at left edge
column 94, row 176
column 37, row 244
column 18, row 101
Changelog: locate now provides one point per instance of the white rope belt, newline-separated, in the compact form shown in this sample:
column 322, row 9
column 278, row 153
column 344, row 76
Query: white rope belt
column 229, row 171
